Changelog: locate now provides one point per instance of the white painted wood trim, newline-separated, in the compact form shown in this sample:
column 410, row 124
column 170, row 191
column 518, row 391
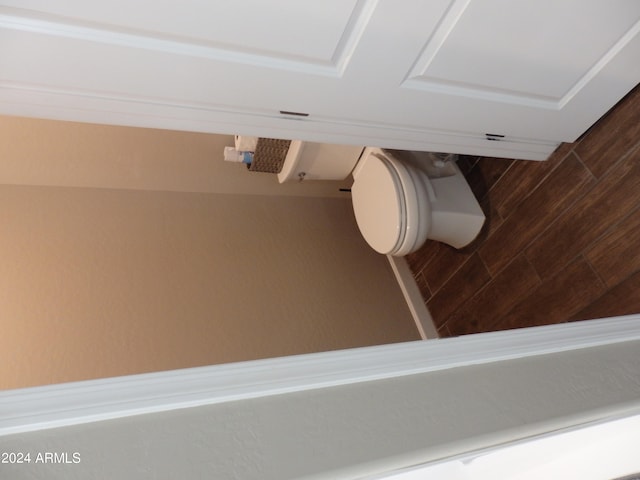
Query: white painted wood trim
column 603, row 449
column 413, row 297
column 41, row 101
column 45, row 407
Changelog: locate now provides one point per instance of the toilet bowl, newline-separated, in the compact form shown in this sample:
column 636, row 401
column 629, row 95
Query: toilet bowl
column 399, row 201
column 399, row 204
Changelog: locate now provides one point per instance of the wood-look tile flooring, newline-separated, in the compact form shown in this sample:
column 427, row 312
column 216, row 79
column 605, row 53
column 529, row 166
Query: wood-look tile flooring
column 561, row 241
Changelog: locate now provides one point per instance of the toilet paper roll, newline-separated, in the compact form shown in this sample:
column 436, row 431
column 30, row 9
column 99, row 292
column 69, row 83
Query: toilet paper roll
column 246, row 144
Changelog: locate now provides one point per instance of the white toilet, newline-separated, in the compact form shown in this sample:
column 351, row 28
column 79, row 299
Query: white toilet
column 400, row 199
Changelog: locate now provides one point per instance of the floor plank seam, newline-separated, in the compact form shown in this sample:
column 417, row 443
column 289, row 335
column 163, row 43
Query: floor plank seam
column 613, row 228
column 584, row 164
column 597, row 274
column 557, row 218
column 433, row 293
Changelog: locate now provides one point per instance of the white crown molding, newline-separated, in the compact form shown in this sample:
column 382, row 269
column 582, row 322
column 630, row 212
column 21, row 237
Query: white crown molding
column 52, row 406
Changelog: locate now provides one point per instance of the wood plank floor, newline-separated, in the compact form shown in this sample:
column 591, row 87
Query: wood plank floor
column 561, row 241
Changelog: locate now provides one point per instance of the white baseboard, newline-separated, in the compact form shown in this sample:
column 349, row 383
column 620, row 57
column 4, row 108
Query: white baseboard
column 413, row 297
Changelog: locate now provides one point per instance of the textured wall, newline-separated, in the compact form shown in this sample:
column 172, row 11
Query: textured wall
column 138, row 274
column 48, row 152
column 97, row 282
column 351, row 431
column 142, row 275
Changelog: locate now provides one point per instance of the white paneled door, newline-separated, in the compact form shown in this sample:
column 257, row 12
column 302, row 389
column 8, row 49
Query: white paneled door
column 504, row 77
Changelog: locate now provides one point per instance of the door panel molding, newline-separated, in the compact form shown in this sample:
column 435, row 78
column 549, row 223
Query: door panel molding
column 367, row 72
column 332, row 62
column 421, row 76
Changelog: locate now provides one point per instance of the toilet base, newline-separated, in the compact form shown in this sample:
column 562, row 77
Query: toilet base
column 456, row 216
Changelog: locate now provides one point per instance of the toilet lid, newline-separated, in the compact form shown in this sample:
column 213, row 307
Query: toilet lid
column 378, row 204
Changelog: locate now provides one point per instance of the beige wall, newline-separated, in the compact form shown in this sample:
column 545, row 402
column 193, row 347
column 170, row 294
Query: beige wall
column 98, row 282
column 49, row 152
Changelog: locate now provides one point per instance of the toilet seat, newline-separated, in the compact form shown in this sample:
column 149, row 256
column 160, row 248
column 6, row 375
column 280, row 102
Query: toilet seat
column 386, row 204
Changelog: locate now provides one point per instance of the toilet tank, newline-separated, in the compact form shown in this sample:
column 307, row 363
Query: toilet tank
column 318, row 161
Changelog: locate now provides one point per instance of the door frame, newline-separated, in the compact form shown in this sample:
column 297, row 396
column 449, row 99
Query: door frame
column 595, row 451
column 52, row 406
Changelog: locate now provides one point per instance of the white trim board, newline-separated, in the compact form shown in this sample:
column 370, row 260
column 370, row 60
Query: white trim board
column 41, row 101
column 52, row 406
column 413, row 297
column 594, row 451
